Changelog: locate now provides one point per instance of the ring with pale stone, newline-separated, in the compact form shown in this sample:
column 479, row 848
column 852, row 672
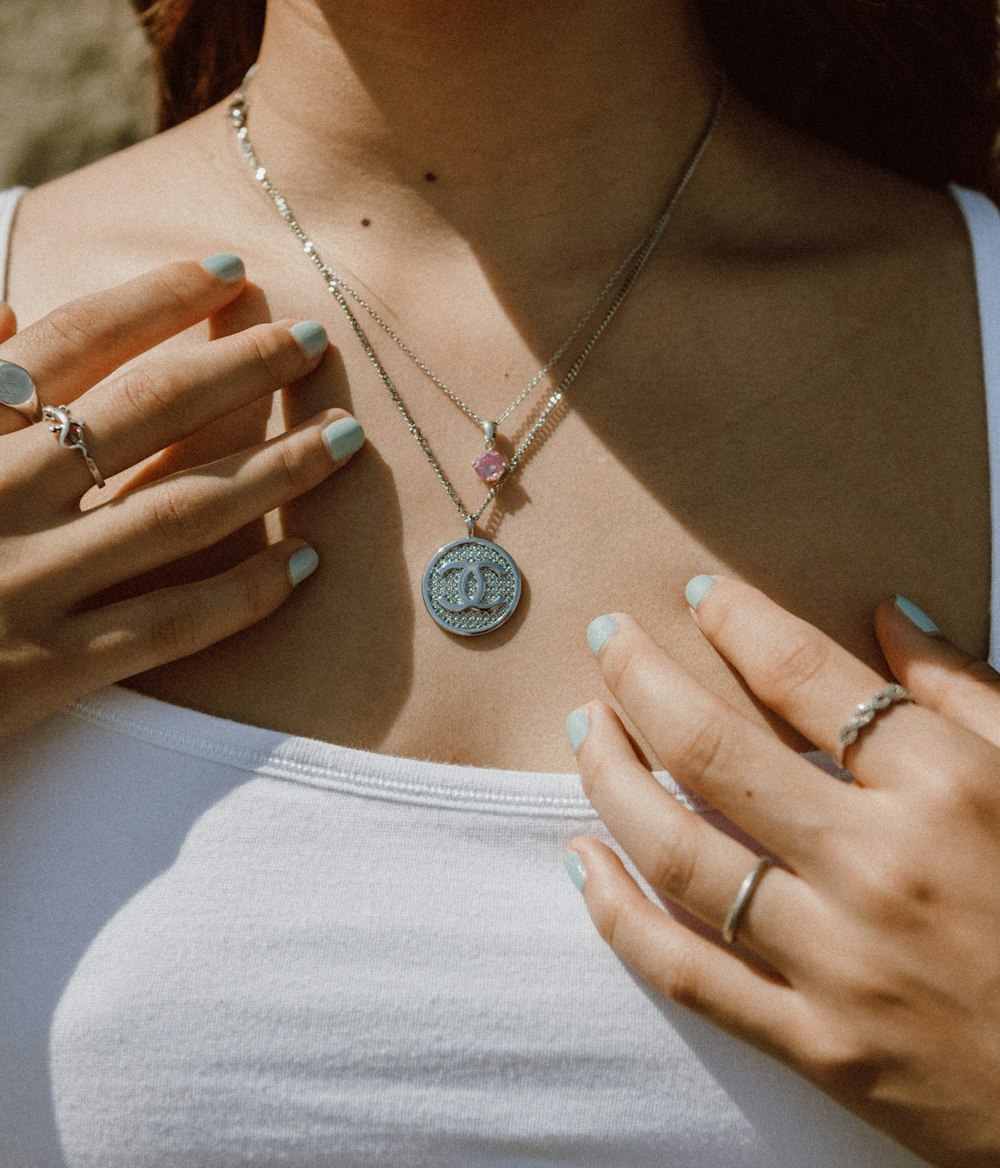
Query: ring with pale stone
column 17, row 390
column 70, row 434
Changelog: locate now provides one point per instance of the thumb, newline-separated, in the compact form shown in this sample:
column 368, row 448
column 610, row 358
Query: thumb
column 938, row 674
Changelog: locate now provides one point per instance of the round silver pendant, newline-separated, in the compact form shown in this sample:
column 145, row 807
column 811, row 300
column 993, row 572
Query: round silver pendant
column 471, row 586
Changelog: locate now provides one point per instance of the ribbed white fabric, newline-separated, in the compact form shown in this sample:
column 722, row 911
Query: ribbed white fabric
column 222, row 946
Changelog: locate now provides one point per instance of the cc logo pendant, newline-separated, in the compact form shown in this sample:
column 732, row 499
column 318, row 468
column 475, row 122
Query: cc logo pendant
column 471, row 586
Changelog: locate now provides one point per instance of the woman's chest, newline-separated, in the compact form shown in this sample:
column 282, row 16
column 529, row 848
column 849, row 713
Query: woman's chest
column 828, row 487
column 239, row 968
column 814, row 426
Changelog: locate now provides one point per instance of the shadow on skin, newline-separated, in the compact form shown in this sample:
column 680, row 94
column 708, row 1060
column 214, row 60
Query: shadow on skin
column 361, row 582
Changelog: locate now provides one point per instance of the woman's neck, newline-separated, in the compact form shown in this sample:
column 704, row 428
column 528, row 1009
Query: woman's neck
column 547, row 132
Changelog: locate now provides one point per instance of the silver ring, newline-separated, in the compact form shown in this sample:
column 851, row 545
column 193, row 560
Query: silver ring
column 868, row 711
column 17, row 390
column 70, row 434
column 742, row 899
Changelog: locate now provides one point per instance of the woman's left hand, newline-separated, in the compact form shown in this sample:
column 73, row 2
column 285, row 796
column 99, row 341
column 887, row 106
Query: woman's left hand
column 868, row 956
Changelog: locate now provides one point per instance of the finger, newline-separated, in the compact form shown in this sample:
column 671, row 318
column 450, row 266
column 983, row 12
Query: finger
column 686, row 968
column 234, row 432
column 80, row 343
column 192, row 510
column 161, row 400
column 11, row 419
column 740, row 768
column 816, row 685
column 682, row 857
column 135, row 635
column 938, row 674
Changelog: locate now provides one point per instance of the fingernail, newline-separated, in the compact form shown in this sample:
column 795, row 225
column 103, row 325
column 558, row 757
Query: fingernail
column 301, row 564
column 343, row 438
column 577, row 725
column 225, row 266
column 574, row 866
column 598, row 632
column 917, row 616
column 311, row 336
column 697, row 589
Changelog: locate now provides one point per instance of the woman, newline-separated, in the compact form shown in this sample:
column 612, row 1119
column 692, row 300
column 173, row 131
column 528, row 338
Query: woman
column 231, row 941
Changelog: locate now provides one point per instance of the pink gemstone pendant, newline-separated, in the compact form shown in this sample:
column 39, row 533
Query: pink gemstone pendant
column 490, row 466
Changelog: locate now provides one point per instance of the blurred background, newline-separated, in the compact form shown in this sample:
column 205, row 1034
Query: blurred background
column 75, row 83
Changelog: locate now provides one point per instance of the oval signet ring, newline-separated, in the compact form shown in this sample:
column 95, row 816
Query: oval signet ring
column 17, row 390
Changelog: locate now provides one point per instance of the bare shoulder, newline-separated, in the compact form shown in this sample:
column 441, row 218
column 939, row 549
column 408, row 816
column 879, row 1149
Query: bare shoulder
column 778, row 199
column 160, row 200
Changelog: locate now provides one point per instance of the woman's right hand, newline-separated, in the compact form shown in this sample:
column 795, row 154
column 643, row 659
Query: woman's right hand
column 58, row 641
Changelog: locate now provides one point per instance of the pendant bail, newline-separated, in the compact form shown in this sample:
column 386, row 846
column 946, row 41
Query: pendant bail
column 470, row 523
column 490, row 430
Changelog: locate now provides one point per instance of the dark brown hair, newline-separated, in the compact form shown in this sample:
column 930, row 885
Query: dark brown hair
column 908, row 84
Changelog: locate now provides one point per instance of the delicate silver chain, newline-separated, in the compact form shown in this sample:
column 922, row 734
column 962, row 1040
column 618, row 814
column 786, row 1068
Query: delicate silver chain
column 239, row 108
column 628, row 271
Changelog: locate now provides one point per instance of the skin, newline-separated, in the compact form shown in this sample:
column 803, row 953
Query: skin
column 794, row 379
column 64, row 631
column 801, row 306
column 868, row 959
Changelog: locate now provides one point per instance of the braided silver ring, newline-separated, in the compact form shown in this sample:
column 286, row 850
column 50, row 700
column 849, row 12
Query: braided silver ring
column 741, row 902
column 868, row 711
column 70, row 434
column 17, row 390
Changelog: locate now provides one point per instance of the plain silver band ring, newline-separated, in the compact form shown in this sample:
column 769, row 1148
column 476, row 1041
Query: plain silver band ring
column 868, row 711
column 17, row 391
column 742, row 899
column 69, row 432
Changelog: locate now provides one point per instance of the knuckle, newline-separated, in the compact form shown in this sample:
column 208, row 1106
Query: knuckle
column 797, row 664
column 680, row 980
column 715, row 617
column 176, row 631
column 704, row 747
column 179, row 515
column 178, row 283
column 294, row 465
column 149, row 390
column 622, row 663
column 274, row 352
column 840, row 1060
column 672, row 867
column 74, row 324
column 898, row 894
column 596, row 775
column 614, row 924
column 257, row 594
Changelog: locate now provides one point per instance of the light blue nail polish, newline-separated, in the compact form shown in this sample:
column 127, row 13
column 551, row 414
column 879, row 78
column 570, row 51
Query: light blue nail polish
column 598, row 632
column 225, row 266
column 574, row 866
column 917, row 616
column 697, row 589
column 343, row 438
column 311, row 336
column 301, row 564
column 577, row 725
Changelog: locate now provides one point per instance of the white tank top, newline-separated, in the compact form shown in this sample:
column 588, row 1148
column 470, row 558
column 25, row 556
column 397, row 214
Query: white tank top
column 221, row 945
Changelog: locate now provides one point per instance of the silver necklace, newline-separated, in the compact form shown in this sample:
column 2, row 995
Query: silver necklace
column 472, row 585
column 490, row 464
